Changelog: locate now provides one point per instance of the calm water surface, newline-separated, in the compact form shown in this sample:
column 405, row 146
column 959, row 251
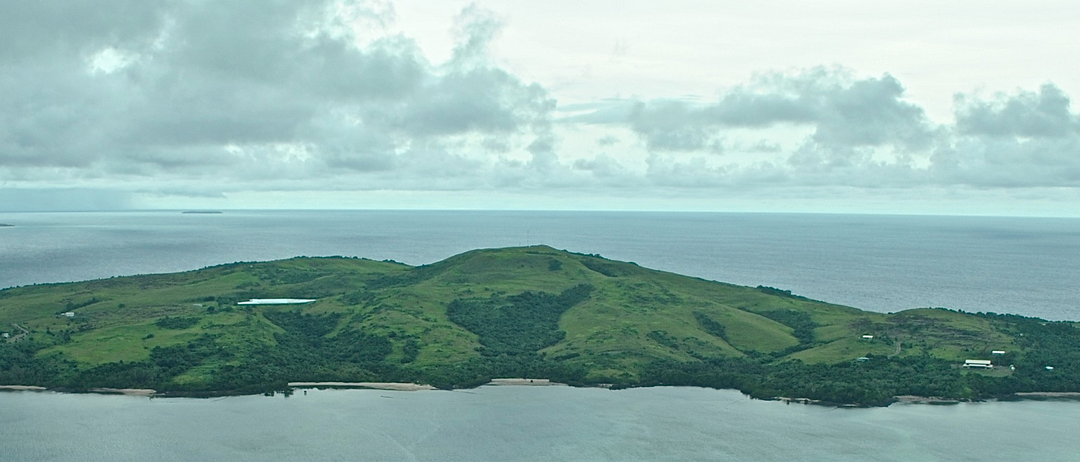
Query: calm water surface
column 1025, row 266
column 527, row 424
column 883, row 263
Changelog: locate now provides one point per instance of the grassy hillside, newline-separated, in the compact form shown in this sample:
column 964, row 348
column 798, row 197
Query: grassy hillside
column 532, row 311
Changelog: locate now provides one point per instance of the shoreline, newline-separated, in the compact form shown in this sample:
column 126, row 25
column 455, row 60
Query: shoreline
column 913, row 399
column 22, row 388
column 394, row 386
column 522, row 382
column 124, row 391
column 1048, row 394
column 508, row 382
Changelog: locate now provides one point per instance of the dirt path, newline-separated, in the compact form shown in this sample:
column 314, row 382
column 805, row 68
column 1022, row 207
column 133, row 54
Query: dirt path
column 18, row 337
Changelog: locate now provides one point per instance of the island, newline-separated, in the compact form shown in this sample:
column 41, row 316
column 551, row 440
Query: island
column 201, row 212
column 533, row 313
column 5, row 225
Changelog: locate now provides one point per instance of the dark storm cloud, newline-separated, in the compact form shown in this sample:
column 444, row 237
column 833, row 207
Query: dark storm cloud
column 844, row 111
column 197, row 86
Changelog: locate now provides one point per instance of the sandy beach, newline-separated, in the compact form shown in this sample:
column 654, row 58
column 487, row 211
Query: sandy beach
column 525, row 382
column 125, row 391
column 373, row 385
column 21, row 388
column 926, row 399
column 1049, row 394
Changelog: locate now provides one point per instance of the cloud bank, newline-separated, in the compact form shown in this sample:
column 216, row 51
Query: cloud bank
column 197, row 99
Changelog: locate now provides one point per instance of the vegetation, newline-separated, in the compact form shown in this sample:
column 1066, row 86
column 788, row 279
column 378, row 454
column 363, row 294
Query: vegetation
column 519, row 312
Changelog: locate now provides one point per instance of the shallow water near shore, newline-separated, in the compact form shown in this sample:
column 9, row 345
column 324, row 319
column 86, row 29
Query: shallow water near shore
column 526, row 424
column 881, row 263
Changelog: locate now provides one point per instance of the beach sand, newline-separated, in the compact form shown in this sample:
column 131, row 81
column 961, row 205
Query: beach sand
column 21, row 388
column 1049, row 394
column 373, row 385
column 125, row 391
column 525, row 382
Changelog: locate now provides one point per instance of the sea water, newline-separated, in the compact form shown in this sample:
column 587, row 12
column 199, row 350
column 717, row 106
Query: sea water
column 524, row 424
column 1025, row 266
column 883, row 263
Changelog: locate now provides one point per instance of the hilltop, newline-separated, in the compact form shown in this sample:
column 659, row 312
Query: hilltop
column 516, row 312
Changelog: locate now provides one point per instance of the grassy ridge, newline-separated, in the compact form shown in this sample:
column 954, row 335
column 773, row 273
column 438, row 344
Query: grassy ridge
column 525, row 311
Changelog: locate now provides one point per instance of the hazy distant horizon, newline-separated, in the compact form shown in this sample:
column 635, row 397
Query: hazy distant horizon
column 497, row 211
column 835, row 106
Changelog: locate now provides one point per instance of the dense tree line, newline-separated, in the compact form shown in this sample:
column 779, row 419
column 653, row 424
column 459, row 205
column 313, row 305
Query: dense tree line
column 512, row 329
column 176, row 322
column 710, row 325
column 517, row 324
column 799, row 321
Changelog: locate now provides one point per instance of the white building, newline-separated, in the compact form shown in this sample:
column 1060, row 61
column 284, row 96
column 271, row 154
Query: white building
column 978, row 363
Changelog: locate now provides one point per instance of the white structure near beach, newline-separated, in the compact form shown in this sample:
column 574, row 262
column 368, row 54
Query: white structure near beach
column 998, row 352
column 276, row 301
column 978, row 363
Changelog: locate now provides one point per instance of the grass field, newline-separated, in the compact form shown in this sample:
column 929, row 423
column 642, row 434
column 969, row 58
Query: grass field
column 633, row 316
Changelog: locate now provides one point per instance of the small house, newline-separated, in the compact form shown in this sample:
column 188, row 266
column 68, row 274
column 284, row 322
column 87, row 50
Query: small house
column 1049, row 368
column 868, row 337
column 5, row 335
column 998, row 352
column 862, row 359
column 70, row 314
column 978, row 363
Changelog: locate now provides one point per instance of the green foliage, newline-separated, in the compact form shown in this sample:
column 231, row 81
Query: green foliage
column 518, row 324
column 19, row 365
column 410, row 350
column 164, row 364
column 71, row 305
column 709, row 325
column 306, row 351
column 800, row 321
column 779, row 292
column 508, row 313
column 177, row 322
column 602, row 267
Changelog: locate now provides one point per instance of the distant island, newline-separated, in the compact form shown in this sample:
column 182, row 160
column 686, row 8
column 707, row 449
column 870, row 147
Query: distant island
column 5, row 225
column 534, row 313
column 202, row 212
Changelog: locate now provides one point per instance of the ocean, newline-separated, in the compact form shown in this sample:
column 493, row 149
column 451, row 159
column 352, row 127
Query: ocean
column 1026, row 266
column 524, row 424
column 882, row 263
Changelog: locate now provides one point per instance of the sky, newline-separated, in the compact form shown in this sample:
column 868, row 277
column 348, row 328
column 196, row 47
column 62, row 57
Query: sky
column 913, row 107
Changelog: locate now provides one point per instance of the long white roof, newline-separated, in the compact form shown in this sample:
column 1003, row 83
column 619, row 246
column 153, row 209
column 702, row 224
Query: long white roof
column 276, row 301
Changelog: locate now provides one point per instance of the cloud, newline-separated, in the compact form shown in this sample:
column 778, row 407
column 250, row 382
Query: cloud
column 199, row 88
column 1041, row 114
column 843, row 111
column 198, row 99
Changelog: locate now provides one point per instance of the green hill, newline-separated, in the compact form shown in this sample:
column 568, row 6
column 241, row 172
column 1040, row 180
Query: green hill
column 517, row 312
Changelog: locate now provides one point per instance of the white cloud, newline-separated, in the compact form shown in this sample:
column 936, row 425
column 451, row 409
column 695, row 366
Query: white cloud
column 196, row 100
